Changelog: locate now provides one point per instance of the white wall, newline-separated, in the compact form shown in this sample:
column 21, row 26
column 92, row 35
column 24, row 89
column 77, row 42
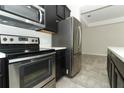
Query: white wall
column 45, row 39
column 87, row 8
column 97, row 39
column 75, row 11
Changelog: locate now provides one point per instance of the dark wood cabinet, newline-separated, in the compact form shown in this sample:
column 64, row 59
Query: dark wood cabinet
column 115, row 71
column 109, row 69
column 60, row 64
column 1, row 81
column 4, row 83
column 53, row 15
column 67, row 12
column 60, row 11
column 51, row 24
column 119, row 81
column 113, row 80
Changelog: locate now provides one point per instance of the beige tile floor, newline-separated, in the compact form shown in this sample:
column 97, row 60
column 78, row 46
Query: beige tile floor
column 92, row 75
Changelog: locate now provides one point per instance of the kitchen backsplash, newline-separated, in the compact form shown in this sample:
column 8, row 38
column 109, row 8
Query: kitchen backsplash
column 45, row 39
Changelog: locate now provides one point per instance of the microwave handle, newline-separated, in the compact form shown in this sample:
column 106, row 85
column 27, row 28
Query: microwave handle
column 40, row 9
column 40, row 16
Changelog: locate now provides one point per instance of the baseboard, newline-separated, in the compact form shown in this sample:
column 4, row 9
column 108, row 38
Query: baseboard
column 94, row 54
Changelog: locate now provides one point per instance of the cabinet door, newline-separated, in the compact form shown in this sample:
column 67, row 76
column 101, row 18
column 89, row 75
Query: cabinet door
column 67, row 12
column 1, row 81
column 51, row 24
column 4, row 83
column 113, row 80
column 108, row 57
column 119, row 81
column 61, row 11
column 60, row 64
column 109, row 70
column 110, row 73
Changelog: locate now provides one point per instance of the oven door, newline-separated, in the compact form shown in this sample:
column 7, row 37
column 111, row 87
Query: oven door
column 34, row 72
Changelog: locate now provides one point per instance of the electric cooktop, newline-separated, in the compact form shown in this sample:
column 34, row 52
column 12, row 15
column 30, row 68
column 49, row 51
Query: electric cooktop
column 23, row 53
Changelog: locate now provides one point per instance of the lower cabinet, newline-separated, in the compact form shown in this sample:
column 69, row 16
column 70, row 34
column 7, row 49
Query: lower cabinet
column 1, row 83
column 4, row 73
column 60, row 64
column 119, row 81
column 113, row 80
column 109, row 70
column 116, row 80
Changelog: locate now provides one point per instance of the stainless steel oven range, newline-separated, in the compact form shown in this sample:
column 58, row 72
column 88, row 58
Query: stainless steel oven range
column 28, row 66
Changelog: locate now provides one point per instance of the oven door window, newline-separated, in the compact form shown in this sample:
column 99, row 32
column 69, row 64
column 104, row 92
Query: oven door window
column 35, row 72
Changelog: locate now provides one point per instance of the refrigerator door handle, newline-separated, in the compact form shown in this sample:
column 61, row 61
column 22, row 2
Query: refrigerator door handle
column 79, row 36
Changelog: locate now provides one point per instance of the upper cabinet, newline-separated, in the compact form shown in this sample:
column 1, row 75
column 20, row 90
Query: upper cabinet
column 54, row 14
column 60, row 11
column 67, row 12
column 51, row 24
column 103, row 15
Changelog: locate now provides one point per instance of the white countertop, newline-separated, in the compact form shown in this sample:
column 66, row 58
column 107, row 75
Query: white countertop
column 2, row 55
column 118, row 51
column 56, row 48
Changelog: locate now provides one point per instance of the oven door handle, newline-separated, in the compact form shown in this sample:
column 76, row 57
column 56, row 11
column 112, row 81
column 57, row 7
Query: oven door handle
column 34, row 62
column 29, row 58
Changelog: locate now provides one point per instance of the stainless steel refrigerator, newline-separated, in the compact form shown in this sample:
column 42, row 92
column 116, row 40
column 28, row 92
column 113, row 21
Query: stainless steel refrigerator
column 70, row 35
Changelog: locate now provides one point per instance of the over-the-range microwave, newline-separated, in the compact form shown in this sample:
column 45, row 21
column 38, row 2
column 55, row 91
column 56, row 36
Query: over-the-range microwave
column 24, row 16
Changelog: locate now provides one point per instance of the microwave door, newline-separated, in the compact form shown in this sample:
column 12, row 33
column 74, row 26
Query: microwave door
column 16, row 15
column 28, row 11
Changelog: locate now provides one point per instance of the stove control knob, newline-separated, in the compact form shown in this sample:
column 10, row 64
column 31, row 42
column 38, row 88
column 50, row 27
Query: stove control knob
column 32, row 40
column 11, row 39
column 35, row 40
column 4, row 39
